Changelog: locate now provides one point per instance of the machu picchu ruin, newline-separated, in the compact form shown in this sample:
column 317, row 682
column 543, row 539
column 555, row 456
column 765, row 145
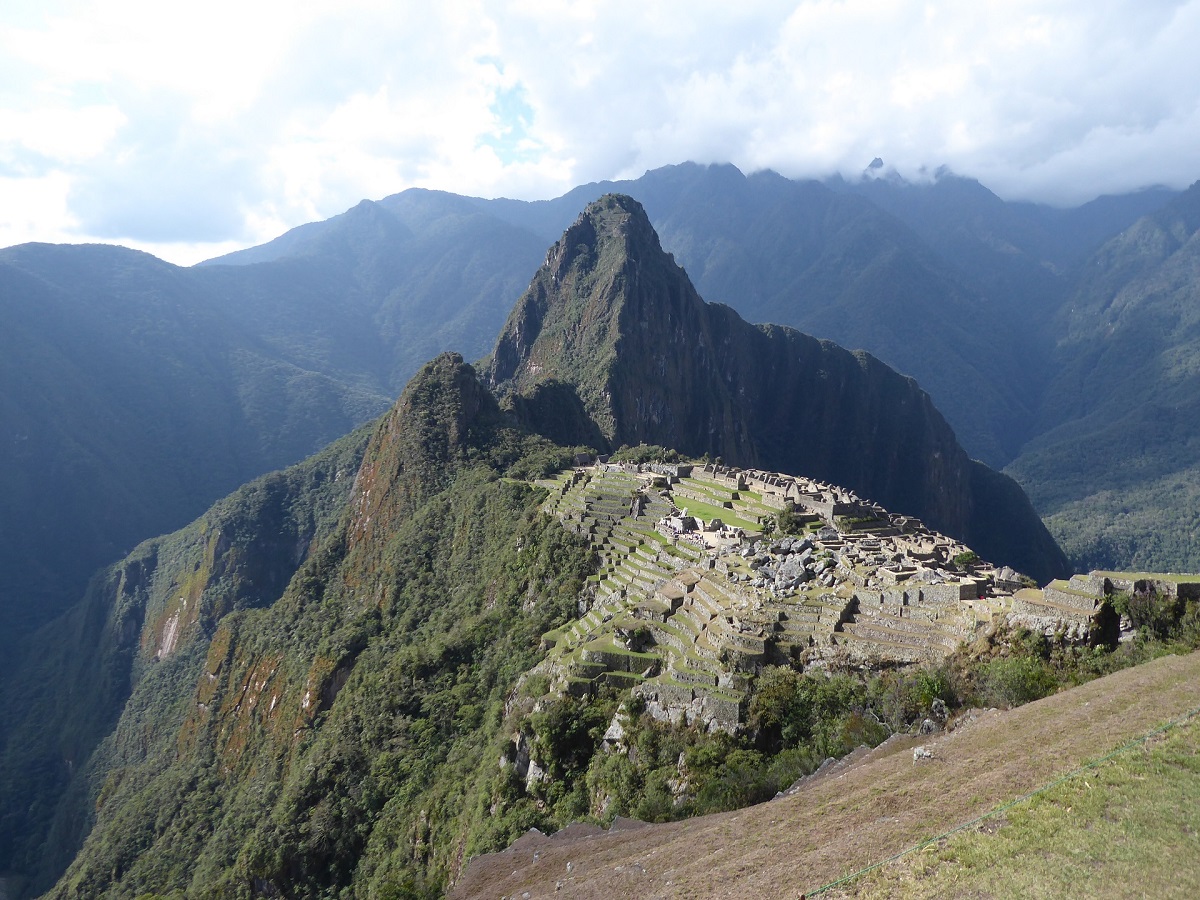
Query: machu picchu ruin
column 709, row 573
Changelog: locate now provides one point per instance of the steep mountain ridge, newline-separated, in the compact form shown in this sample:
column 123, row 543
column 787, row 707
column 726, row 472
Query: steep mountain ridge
column 102, row 691
column 343, row 730
column 894, row 269
column 363, row 698
column 136, row 393
column 614, row 318
column 252, row 738
column 837, row 265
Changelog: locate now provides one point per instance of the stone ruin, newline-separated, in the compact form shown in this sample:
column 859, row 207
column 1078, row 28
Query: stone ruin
column 693, row 598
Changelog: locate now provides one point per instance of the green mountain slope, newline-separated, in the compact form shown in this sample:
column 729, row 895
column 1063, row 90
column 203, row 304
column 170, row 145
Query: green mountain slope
column 132, row 649
column 1115, row 470
column 340, row 734
column 243, row 737
column 129, row 405
column 134, row 393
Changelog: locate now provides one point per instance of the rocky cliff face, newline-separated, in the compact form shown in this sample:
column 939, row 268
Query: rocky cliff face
column 611, row 316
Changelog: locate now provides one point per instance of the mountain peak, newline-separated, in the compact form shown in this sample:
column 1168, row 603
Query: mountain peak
column 567, row 324
column 612, row 334
column 419, row 444
column 612, row 226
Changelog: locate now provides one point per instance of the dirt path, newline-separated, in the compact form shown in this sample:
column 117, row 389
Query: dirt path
column 866, row 813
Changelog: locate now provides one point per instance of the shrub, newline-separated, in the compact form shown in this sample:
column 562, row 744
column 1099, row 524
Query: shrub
column 1014, row 680
column 644, row 453
column 1151, row 614
column 788, row 521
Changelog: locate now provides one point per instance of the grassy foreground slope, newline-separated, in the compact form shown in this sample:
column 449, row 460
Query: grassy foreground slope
column 1129, row 827
column 888, row 803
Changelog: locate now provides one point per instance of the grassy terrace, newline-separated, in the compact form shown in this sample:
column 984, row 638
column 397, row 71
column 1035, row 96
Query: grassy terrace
column 703, row 485
column 707, row 512
column 717, row 693
column 1153, row 576
column 1067, row 588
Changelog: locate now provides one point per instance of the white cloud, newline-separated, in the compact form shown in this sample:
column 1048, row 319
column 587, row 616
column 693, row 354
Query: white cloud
column 35, row 209
column 228, row 122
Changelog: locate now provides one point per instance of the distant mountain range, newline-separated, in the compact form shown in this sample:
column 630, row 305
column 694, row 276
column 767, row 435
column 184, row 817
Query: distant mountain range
column 980, row 299
column 135, row 393
column 309, row 686
column 614, row 321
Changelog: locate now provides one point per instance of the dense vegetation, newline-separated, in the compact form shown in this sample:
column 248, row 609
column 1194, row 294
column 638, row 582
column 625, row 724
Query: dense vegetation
column 797, row 719
column 382, row 671
column 108, row 659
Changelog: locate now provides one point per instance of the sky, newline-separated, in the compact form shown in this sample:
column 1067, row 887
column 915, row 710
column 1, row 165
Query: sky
column 189, row 130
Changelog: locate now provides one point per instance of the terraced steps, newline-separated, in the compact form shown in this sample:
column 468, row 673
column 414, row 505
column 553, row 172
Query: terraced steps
column 703, row 617
column 1033, row 602
column 877, row 632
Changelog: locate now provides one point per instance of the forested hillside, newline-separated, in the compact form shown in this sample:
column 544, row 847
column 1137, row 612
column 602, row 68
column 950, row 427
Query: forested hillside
column 309, row 686
column 1115, row 469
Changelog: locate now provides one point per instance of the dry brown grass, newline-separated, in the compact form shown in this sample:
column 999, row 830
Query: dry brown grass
column 1127, row 827
column 862, row 816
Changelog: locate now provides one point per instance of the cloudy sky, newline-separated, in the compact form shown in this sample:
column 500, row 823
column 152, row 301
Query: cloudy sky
column 192, row 129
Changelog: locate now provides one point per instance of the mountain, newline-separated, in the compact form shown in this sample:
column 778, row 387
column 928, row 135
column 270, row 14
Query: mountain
column 288, row 687
column 129, row 406
column 134, row 393
column 944, row 282
column 941, row 280
column 309, row 686
column 1023, row 257
column 129, row 653
column 839, row 267
column 1115, row 468
column 613, row 319
column 370, row 295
